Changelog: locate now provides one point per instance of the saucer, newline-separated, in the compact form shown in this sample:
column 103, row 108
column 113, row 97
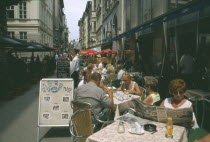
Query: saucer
column 139, row 133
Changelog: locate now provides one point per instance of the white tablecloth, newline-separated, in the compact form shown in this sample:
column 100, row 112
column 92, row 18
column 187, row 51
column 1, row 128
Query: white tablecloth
column 197, row 94
column 123, row 105
column 110, row 134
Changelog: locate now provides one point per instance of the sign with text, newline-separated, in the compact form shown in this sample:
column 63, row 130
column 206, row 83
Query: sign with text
column 63, row 69
column 55, row 96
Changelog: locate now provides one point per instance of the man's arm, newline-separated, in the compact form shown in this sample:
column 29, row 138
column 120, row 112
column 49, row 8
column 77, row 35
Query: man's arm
column 108, row 100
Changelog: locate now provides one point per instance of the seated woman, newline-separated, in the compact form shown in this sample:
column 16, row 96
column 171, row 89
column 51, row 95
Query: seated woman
column 110, row 75
column 104, row 70
column 177, row 88
column 86, row 76
column 90, row 68
column 131, row 86
column 151, row 86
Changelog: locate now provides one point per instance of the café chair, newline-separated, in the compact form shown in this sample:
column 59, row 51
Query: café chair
column 83, row 121
column 80, row 125
column 144, row 93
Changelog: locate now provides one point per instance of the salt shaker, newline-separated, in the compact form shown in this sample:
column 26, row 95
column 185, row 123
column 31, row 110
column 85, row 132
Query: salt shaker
column 121, row 128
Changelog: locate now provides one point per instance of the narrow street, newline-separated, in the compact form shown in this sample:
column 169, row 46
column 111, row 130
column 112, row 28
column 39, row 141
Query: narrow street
column 19, row 119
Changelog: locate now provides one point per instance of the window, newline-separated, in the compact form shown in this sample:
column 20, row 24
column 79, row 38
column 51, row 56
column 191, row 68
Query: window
column 94, row 26
column 22, row 10
column 10, row 12
column 94, row 5
column 23, row 35
column 11, row 34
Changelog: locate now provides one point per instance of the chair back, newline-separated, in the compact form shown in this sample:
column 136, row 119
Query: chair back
column 77, row 105
column 82, row 123
column 144, row 93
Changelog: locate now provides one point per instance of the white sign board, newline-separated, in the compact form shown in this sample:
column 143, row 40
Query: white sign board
column 55, row 96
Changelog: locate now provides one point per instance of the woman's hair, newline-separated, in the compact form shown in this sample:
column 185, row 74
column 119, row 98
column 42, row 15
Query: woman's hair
column 90, row 66
column 127, row 75
column 110, row 69
column 177, row 85
column 87, row 76
column 151, row 82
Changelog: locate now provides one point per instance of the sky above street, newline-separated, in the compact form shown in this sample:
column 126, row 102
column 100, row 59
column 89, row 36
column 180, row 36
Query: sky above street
column 74, row 10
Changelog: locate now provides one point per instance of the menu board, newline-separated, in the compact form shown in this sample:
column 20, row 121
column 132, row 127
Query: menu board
column 55, row 96
column 63, row 69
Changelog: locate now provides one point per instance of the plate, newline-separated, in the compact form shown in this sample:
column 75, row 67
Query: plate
column 139, row 133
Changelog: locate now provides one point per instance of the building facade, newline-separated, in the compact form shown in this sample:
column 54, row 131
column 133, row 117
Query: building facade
column 60, row 30
column 41, row 21
column 31, row 21
column 155, row 43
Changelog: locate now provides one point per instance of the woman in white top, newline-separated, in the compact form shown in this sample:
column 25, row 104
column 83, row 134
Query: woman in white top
column 151, row 86
column 131, row 86
column 177, row 88
column 87, row 76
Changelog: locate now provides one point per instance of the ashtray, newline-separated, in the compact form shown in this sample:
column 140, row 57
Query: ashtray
column 150, row 127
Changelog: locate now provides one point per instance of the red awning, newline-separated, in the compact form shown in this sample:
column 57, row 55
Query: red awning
column 88, row 52
column 108, row 51
column 129, row 52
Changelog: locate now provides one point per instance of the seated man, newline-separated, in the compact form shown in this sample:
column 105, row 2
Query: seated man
column 93, row 94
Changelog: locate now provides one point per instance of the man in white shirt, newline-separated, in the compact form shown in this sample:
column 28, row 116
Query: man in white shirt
column 186, row 64
column 119, row 71
column 186, row 68
column 74, row 67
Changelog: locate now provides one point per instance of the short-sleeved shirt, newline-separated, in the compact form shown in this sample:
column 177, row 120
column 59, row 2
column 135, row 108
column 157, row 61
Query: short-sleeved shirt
column 94, row 95
column 120, row 73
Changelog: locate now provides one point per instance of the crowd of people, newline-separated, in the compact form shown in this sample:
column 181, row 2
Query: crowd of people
column 95, row 76
column 95, row 81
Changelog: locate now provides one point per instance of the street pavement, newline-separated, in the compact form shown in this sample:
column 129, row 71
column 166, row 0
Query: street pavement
column 19, row 119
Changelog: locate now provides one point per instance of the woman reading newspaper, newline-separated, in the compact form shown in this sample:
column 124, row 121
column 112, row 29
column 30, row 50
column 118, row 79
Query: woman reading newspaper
column 177, row 88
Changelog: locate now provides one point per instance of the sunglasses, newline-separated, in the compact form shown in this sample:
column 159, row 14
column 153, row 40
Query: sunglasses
column 180, row 92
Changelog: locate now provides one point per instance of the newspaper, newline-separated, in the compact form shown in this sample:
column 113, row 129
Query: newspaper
column 181, row 117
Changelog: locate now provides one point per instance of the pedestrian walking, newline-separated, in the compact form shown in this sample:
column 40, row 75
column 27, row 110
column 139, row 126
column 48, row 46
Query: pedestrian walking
column 74, row 67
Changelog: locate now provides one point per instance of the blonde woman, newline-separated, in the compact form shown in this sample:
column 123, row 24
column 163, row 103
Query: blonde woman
column 131, row 86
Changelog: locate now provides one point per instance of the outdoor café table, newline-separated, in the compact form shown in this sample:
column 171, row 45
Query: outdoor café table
column 123, row 105
column 198, row 95
column 110, row 134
